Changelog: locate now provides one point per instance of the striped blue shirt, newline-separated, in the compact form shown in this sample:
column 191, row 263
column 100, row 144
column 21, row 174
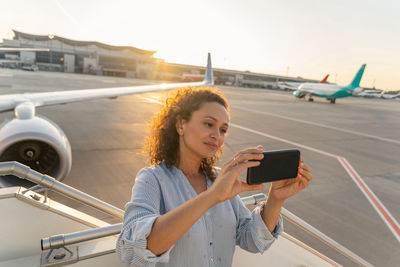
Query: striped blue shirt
column 209, row 242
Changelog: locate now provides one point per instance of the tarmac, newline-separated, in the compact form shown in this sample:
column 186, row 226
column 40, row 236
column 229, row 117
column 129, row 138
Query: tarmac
column 107, row 140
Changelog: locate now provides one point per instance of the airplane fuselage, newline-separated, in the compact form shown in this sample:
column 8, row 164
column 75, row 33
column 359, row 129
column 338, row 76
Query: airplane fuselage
column 323, row 90
column 330, row 91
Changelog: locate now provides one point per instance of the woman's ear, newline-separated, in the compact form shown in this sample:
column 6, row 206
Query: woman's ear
column 180, row 123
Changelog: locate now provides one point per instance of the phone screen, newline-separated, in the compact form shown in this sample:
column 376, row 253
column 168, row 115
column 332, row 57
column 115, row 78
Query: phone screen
column 276, row 165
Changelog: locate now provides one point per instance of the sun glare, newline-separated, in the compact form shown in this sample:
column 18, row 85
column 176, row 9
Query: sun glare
column 266, row 36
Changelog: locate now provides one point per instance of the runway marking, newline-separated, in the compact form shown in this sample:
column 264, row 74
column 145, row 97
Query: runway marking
column 108, row 81
column 283, row 140
column 269, row 92
column 372, row 198
column 284, row 95
column 152, row 100
column 323, row 125
column 382, row 211
column 6, row 75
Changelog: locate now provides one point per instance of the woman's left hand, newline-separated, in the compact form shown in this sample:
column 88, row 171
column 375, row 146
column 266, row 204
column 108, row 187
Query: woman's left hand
column 281, row 190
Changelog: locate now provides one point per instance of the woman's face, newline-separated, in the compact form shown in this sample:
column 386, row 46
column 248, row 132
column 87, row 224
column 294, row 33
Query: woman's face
column 205, row 132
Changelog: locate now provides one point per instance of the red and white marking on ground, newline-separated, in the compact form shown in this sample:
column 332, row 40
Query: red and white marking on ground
column 372, row 198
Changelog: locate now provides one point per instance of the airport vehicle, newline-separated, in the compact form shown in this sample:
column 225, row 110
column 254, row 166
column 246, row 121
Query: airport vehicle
column 40, row 143
column 14, row 63
column 330, row 91
column 30, row 68
column 294, row 85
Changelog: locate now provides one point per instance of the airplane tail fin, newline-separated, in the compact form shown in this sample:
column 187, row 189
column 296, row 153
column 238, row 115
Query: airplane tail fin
column 324, row 79
column 209, row 77
column 356, row 81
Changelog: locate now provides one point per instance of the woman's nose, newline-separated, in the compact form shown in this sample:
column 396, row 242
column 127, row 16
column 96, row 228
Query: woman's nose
column 215, row 134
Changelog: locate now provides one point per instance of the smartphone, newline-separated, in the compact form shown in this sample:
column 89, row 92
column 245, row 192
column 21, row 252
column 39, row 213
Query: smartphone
column 275, row 166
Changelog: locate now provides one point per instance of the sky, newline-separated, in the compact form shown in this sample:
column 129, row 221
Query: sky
column 306, row 38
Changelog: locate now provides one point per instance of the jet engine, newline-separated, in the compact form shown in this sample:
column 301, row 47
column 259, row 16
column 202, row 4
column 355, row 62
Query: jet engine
column 36, row 142
column 298, row 94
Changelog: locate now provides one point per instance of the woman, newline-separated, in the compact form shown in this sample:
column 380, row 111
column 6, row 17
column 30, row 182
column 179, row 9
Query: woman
column 184, row 212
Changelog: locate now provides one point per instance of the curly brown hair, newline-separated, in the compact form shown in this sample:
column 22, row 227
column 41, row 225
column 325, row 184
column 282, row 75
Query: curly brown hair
column 163, row 143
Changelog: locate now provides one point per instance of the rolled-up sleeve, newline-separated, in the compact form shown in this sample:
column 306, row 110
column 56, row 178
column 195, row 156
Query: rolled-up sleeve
column 252, row 233
column 140, row 214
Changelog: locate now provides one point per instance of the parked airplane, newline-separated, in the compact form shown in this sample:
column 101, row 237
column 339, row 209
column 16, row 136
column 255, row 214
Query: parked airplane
column 330, row 91
column 39, row 143
column 295, row 85
column 390, row 96
column 371, row 94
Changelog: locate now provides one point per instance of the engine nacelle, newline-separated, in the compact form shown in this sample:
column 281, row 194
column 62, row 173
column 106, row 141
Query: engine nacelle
column 38, row 143
column 298, row 94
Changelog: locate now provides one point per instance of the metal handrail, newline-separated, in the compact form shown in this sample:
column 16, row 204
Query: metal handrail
column 254, row 199
column 59, row 241
column 62, row 240
column 326, row 239
column 24, row 172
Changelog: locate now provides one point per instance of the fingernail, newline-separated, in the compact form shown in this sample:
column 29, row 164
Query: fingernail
column 259, row 147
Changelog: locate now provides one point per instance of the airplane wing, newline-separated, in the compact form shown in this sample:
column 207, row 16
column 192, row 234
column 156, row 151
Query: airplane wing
column 291, row 86
column 9, row 102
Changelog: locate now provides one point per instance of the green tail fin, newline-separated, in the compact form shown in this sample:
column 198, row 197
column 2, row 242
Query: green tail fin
column 356, row 81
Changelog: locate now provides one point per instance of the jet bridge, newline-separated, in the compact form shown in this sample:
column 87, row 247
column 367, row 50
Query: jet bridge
column 37, row 231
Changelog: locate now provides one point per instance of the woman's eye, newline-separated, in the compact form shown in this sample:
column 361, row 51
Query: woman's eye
column 224, row 131
column 208, row 124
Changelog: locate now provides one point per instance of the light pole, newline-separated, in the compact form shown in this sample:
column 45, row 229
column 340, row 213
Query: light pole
column 51, row 37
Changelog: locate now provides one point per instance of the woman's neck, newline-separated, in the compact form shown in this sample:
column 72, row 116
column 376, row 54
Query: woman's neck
column 188, row 162
column 188, row 166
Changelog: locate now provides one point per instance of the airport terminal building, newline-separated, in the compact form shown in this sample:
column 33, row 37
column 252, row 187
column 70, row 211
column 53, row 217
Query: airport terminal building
column 91, row 57
column 73, row 56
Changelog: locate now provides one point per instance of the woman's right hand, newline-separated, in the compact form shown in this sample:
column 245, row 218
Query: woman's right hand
column 227, row 184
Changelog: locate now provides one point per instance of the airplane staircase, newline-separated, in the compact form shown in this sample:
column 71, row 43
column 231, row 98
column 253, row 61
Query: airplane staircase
column 37, row 231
